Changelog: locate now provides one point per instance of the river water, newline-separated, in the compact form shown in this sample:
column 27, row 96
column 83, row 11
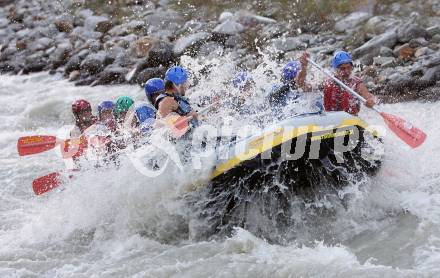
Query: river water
column 119, row 223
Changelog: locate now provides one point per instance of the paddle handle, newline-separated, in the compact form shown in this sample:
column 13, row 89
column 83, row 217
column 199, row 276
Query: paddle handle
column 350, row 90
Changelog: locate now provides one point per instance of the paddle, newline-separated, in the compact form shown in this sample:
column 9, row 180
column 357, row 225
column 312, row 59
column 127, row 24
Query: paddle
column 29, row 145
column 48, row 182
column 180, row 125
column 35, row 144
column 408, row 133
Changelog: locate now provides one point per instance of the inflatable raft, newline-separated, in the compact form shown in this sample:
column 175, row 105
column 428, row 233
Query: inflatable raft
column 307, row 155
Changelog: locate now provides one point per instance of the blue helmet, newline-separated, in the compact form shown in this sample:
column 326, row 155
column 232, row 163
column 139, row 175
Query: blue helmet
column 144, row 113
column 290, row 70
column 241, row 79
column 106, row 105
column 177, row 75
column 153, row 86
column 341, row 57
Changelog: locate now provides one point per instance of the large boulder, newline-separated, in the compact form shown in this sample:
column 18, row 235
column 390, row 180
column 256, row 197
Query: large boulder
column 141, row 47
column 433, row 30
column 111, row 75
column 384, row 61
column 386, row 52
column 409, row 31
column 60, row 55
column 34, row 63
column 41, row 44
column 432, row 74
column 351, row 21
column 229, row 27
column 81, row 15
column 431, row 61
column 21, row 45
column 161, row 54
column 225, row 16
column 95, row 63
column 423, row 51
column 64, row 23
column 73, row 64
column 128, row 28
column 189, row 43
column 249, row 19
column 125, row 41
column 25, row 33
column 153, row 51
column 98, row 23
column 5, row 37
column 380, row 24
column 3, row 22
column 404, row 52
column 288, row 44
column 123, row 58
column 16, row 15
column 161, row 20
column 64, row 26
column 373, row 46
column 149, row 73
column 7, row 52
column 85, row 34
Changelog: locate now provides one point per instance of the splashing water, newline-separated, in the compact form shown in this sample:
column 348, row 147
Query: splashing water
column 117, row 222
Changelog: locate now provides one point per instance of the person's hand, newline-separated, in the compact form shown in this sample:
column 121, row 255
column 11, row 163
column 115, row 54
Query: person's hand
column 193, row 114
column 371, row 101
column 304, row 59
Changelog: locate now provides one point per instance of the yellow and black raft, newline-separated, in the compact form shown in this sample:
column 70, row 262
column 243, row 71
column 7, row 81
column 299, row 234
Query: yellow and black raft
column 307, row 155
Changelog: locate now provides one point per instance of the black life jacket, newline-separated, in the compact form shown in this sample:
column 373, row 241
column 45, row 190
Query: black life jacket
column 281, row 95
column 184, row 106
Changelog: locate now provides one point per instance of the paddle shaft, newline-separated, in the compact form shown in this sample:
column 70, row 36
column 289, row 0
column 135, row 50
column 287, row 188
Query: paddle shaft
column 203, row 111
column 350, row 90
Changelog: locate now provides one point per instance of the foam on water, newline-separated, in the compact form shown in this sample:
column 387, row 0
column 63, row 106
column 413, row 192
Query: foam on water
column 117, row 222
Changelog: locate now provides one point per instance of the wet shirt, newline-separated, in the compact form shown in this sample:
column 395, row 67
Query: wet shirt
column 184, row 107
column 80, row 127
column 282, row 95
column 338, row 99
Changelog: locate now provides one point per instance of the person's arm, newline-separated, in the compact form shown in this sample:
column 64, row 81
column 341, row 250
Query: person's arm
column 193, row 114
column 166, row 106
column 369, row 97
column 302, row 75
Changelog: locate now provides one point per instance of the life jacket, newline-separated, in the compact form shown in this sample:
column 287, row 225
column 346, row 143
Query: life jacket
column 281, row 95
column 184, row 106
column 183, row 109
column 82, row 126
column 111, row 125
column 79, row 145
column 279, row 98
column 338, row 99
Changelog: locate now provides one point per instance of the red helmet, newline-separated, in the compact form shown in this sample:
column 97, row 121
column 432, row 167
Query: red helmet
column 80, row 105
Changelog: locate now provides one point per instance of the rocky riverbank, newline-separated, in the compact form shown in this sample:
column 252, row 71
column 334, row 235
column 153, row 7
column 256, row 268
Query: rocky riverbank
column 396, row 44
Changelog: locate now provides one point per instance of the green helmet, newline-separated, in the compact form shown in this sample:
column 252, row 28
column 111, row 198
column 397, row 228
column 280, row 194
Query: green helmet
column 122, row 105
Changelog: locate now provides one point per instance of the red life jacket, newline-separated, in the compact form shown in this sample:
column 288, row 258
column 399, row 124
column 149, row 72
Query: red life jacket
column 76, row 147
column 85, row 125
column 338, row 99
